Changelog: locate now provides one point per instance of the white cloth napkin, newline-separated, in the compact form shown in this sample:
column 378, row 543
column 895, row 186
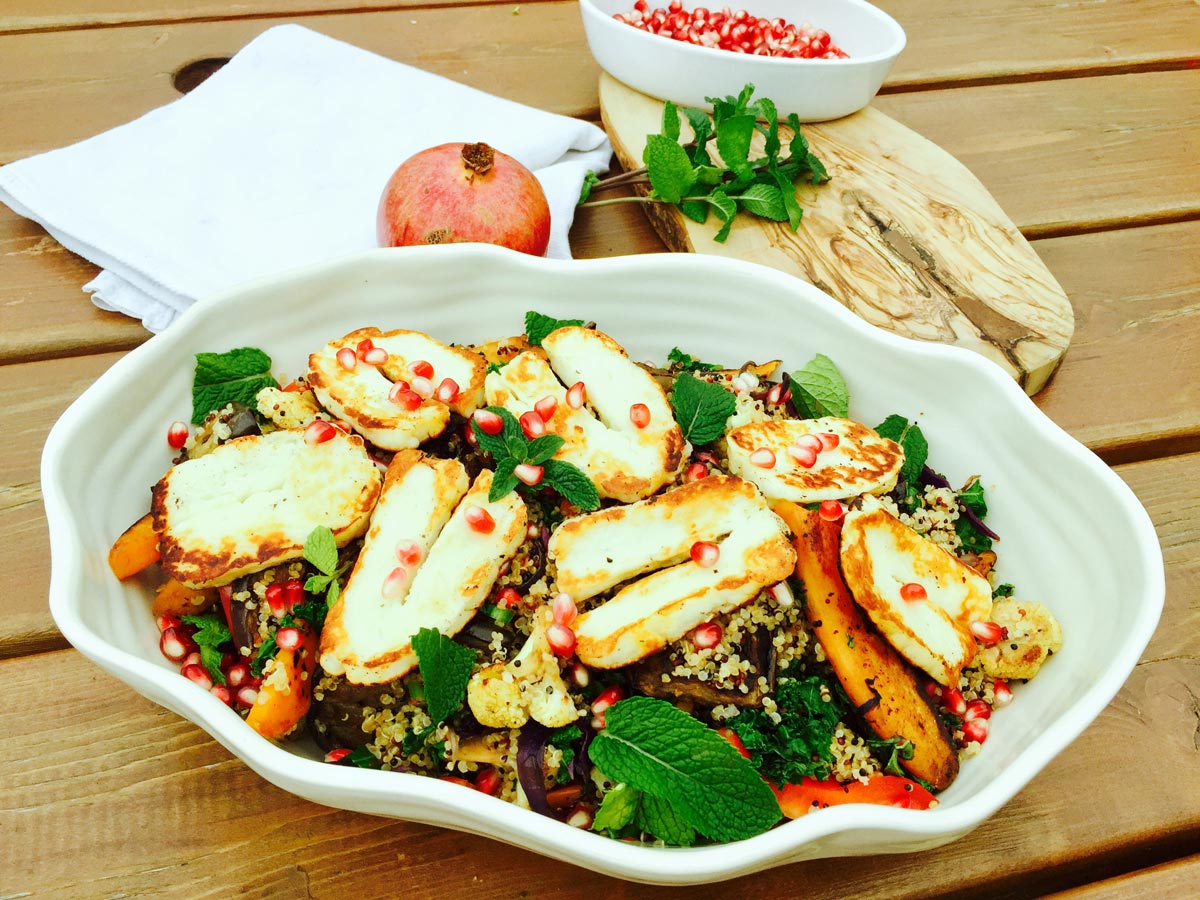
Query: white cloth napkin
column 277, row 160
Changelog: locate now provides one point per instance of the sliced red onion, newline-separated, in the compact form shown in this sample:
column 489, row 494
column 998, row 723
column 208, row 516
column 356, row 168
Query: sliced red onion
column 580, row 766
column 933, row 479
column 531, row 753
column 969, row 514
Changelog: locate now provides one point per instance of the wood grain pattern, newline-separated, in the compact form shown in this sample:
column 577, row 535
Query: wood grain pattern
column 1178, row 878
column 210, row 828
column 903, row 235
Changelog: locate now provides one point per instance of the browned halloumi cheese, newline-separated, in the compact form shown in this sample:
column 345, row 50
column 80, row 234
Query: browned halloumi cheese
column 861, row 463
column 879, row 555
column 359, row 396
column 251, row 503
column 368, row 634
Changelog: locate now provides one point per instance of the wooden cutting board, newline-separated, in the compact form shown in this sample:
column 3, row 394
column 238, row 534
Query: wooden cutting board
column 903, row 234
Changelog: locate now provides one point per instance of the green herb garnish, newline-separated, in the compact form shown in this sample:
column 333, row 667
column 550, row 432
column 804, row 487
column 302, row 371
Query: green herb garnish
column 819, row 390
column 701, row 408
column 210, row 634
column 890, row 752
column 685, row 362
column 320, row 549
column 973, row 540
column 266, row 652
column 653, row 747
column 538, row 326
column 445, row 671
column 223, row 378
column 1003, row 590
column 916, row 452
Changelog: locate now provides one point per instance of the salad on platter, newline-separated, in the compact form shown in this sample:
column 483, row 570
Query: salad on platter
column 674, row 603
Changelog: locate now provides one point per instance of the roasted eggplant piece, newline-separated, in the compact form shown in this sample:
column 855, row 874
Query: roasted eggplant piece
column 756, row 646
column 337, row 713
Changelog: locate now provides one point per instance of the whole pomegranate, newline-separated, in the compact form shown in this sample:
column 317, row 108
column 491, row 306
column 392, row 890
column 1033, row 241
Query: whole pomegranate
column 455, row 193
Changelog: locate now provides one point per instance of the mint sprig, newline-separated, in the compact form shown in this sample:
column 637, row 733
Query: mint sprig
column 539, row 326
column 210, row 634
column 701, row 408
column 320, row 549
column 445, row 671
column 912, row 441
column 685, row 362
column 686, row 176
column 819, row 390
column 651, row 746
column 511, row 448
column 235, row 376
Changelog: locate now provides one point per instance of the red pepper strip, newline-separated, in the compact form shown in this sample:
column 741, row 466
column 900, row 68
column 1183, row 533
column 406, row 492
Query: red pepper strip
column 225, row 592
column 732, row 736
column 884, row 790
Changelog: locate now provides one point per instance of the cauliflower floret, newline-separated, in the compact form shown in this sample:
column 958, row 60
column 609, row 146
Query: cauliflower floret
column 287, row 409
column 507, row 695
column 1033, row 634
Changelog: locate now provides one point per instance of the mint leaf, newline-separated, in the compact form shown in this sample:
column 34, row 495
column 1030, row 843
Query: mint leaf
column 570, row 481
column 538, row 326
column 764, row 200
column 235, row 376
column 971, row 537
column 321, row 550
column 658, row 817
column 542, row 448
column 726, row 208
column 819, row 389
column 590, row 180
column 733, row 140
column 503, row 479
column 701, row 132
column 493, row 443
column 972, row 496
column 912, row 442
column 768, row 112
column 617, row 809
column 445, row 670
column 696, row 210
column 668, row 167
column 685, row 362
column 787, row 193
column 656, row 748
column 701, row 408
column 670, row 122
column 211, row 633
column 1003, row 590
column 266, row 652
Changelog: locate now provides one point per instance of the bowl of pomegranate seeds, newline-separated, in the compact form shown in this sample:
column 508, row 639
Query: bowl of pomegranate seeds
column 820, row 60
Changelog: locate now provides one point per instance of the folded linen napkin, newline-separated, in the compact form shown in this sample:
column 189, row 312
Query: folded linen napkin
column 275, row 161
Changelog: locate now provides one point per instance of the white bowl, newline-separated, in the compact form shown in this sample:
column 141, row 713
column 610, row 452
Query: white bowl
column 1074, row 536
column 814, row 89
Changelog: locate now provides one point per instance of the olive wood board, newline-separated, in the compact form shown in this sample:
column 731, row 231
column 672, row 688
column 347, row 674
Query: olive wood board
column 903, row 235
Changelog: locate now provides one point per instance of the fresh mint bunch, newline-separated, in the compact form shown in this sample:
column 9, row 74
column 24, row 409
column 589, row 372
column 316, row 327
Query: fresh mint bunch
column 688, row 176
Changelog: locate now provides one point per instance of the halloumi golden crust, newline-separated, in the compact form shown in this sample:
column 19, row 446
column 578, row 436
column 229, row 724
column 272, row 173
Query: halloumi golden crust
column 251, row 503
column 879, row 555
column 861, row 463
column 359, row 396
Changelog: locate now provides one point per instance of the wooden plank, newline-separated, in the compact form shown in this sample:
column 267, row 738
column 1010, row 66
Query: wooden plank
column 214, row 828
column 1176, row 880
column 998, row 39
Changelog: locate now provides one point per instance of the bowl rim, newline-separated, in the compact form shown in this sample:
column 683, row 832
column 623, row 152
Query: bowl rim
column 590, row 9
column 417, row 792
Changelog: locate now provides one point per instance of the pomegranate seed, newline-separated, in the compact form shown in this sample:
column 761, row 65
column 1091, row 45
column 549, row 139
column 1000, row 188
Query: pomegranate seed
column 738, row 32
column 977, row 709
column 293, row 592
column 933, row 690
column 246, row 696
column 606, row 698
column 175, row 645
column 732, row 736
column 197, row 674
column 347, row 359
column 237, row 675
column 564, row 610
column 394, row 584
column 365, row 345
column 376, row 356
column 337, row 755
column 705, row 554
column 422, row 387
column 975, row 731
column 763, row 457
column 222, row 693
column 288, row 638
column 579, row 673
column 421, row 368
column 479, row 519
column 639, row 415
column 708, row 635
column 831, row 511
column 829, row 440
column 546, row 407
column 529, row 474
column 577, row 395
column 988, row 633
column 177, row 435
column 409, row 553
column 954, row 702
column 913, row 592
column 340, row 426
column 318, row 432
column 165, row 622
column 532, row 424
column 778, row 394
column 1002, row 694
column 561, row 639
column 695, row 472
column 274, row 598
column 488, row 421
column 581, row 817
column 782, row 594
column 805, row 456
column 810, row 442
column 192, row 659
column 489, row 782
column 447, row 391
column 469, row 435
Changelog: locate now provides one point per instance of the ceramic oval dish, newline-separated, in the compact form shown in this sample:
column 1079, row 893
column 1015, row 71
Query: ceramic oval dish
column 1074, row 535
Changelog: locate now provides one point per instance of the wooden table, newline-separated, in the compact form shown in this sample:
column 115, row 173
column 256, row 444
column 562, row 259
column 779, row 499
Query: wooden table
column 1083, row 118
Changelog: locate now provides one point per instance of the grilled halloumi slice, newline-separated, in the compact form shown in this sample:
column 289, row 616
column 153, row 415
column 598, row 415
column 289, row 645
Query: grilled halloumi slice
column 368, row 634
column 650, row 613
column 251, row 503
column 598, row 551
column 880, row 554
column 626, row 463
column 359, row 396
column 861, row 463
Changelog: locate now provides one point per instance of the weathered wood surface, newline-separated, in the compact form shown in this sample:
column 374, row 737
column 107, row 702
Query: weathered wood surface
column 209, row 828
column 1179, row 878
column 903, row 235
